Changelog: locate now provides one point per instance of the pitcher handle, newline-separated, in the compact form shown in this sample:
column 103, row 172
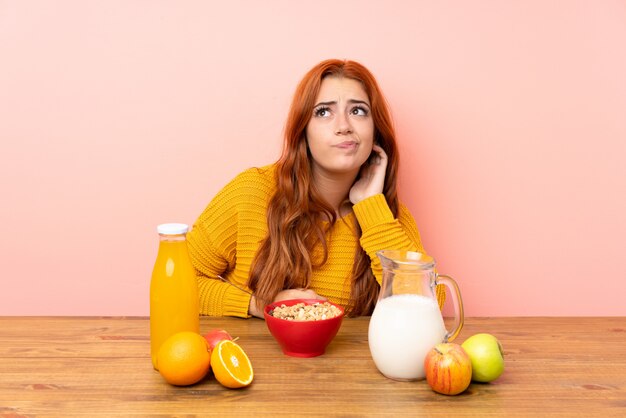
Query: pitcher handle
column 457, row 302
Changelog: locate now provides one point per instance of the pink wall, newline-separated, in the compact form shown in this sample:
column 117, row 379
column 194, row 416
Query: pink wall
column 119, row 115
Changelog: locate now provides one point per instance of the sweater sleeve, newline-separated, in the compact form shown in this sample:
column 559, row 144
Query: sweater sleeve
column 381, row 231
column 212, row 250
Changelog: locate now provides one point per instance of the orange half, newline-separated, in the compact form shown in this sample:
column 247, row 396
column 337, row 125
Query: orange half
column 231, row 366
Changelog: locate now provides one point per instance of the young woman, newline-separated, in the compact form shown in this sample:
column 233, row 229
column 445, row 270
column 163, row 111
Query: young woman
column 309, row 225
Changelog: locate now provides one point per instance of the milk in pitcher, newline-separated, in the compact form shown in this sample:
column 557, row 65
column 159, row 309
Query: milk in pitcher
column 402, row 330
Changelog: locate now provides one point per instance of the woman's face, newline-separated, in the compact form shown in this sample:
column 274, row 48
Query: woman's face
column 340, row 133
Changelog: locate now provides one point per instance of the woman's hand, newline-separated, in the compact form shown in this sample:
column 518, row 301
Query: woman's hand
column 297, row 294
column 253, row 309
column 284, row 295
column 372, row 177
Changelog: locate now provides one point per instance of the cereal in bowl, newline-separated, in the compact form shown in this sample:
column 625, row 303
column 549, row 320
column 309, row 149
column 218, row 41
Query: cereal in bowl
column 304, row 312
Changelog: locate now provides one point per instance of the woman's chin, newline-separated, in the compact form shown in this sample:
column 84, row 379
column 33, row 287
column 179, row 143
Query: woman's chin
column 342, row 167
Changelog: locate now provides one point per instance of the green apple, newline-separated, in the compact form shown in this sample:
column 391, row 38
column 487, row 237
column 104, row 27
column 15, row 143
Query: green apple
column 487, row 357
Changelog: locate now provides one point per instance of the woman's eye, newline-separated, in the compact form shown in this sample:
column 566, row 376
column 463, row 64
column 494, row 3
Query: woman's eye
column 322, row 112
column 359, row 111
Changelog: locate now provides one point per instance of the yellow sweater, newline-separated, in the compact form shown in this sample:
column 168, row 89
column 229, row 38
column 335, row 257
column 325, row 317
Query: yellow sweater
column 226, row 236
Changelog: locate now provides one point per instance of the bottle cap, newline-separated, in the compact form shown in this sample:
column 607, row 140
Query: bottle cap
column 172, row 229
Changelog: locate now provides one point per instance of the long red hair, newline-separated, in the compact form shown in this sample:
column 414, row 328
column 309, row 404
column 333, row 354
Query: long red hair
column 297, row 211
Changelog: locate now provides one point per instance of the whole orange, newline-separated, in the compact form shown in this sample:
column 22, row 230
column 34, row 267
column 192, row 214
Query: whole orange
column 184, row 358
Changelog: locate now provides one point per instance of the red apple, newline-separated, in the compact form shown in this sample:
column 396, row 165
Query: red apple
column 448, row 369
column 215, row 336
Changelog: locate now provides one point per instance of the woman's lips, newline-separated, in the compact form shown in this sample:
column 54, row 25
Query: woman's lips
column 347, row 145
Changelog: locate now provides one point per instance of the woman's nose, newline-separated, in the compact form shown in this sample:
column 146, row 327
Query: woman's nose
column 342, row 124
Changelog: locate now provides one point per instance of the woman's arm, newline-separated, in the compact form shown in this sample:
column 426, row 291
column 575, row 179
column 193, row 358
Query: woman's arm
column 212, row 245
column 381, row 231
column 217, row 298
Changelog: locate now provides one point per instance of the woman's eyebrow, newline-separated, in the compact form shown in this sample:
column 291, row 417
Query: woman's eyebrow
column 355, row 101
column 351, row 101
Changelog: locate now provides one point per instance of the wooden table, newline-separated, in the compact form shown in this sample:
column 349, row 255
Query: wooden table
column 70, row 366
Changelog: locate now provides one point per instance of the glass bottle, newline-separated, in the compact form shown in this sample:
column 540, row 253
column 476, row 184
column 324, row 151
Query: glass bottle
column 174, row 304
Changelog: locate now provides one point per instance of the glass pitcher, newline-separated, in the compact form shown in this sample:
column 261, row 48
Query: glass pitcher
column 407, row 322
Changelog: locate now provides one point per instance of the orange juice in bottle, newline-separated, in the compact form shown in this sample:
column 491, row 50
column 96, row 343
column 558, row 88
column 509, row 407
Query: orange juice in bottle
column 174, row 305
